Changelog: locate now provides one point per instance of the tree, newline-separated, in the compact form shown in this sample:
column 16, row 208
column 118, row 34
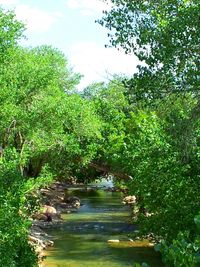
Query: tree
column 164, row 159
column 42, row 125
column 164, row 35
column 14, row 247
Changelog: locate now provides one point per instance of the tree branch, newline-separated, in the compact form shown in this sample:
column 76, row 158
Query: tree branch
column 108, row 170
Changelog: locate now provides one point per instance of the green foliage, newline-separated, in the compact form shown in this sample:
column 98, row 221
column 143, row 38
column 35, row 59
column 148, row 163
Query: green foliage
column 41, row 115
column 15, row 208
column 46, row 130
column 14, row 224
column 161, row 142
column 11, row 32
column 147, row 144
column 165, row 35
column 182, row 251
column 141, row 128
column 110, row 104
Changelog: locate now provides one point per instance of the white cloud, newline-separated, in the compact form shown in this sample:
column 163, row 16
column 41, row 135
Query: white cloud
column 96, row 63
column 36, row 20
column 88, row 7
column 8, row 2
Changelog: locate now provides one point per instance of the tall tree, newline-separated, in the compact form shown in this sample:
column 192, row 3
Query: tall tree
column 46, row 129
column 165, row 35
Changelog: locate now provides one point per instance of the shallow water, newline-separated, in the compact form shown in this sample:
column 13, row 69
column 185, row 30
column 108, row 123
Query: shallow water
column 82, row 239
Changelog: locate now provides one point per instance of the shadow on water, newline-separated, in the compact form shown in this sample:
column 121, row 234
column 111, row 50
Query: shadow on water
column 81, row 241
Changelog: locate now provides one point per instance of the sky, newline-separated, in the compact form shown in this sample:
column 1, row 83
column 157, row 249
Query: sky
column 69, row 25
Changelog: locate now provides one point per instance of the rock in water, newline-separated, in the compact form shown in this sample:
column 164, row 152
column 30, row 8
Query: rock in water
column 129, row 200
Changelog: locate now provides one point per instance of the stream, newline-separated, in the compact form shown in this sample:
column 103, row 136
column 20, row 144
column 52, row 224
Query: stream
column 82, row 239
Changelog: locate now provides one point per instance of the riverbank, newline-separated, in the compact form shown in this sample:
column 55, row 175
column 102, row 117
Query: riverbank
column 54, row 195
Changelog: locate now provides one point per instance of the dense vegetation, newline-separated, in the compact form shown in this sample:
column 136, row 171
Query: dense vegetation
column 160, row 149
column 45, row 130
column 143, row 130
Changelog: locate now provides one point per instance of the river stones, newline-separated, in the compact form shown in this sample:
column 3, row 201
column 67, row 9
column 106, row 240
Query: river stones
column 47, row 214
column 73, row 201
column 129, row 200
column 113, row 241
column 39, row 217
column 127, row 244
column 49, row 210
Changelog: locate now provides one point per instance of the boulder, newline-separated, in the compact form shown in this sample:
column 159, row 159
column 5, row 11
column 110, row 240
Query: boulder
column 129, row 200
column 49, row 210
column 47, row 214
column 40, row 217
column 73, row 201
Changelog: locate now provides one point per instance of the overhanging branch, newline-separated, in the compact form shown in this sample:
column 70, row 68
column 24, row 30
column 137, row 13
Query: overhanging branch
column 108, row 170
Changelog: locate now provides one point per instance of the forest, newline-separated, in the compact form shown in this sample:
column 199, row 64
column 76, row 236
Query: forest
column 144, row 130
